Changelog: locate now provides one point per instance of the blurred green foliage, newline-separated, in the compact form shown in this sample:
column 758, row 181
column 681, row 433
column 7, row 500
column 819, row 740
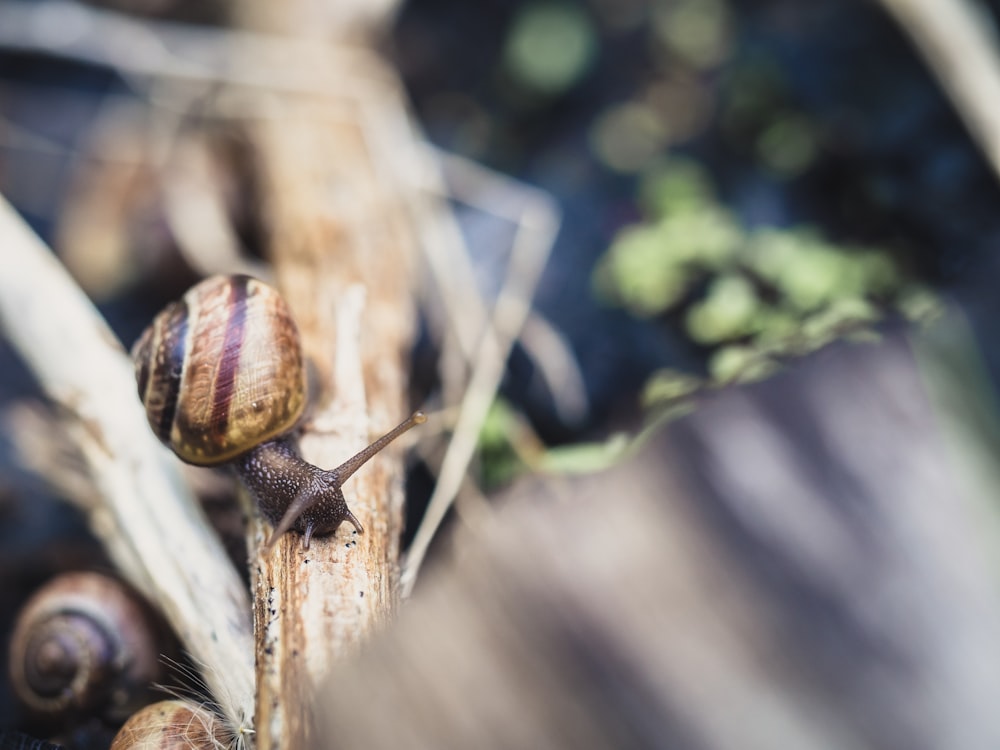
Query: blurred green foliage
column 508, row 447
column 696, row 32
column 498, row 442
column 684, row 43
column 550, row 46
column 751, row 297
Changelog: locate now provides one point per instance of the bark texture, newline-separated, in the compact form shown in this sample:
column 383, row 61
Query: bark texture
column 343, row 251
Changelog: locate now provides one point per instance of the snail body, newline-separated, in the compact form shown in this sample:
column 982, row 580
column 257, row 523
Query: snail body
column 84, row 643
column 221, row 375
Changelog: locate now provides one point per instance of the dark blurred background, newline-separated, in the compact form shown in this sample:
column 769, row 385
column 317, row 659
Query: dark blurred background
column 815, row 114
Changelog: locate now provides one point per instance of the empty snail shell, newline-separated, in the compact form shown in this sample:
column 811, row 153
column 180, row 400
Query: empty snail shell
column 84, row 643
column 172, row 725
column 222, row 378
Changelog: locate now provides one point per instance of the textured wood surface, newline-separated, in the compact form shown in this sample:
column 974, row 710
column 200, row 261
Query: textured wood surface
column 343, row 257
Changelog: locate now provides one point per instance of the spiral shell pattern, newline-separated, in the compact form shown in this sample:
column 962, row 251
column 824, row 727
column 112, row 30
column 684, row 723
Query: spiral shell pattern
column 84, row 643
column 221, row 370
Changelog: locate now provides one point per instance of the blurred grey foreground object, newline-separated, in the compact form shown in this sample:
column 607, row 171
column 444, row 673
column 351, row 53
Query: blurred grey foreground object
column 796, row 565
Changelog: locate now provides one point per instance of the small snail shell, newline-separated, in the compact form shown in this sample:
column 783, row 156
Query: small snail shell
column 84, row 644
column 172, row 725
column 221, row 370
column 221, row 375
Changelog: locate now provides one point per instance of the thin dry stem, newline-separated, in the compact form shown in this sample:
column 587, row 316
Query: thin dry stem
column 957, row 43
column 538, row 224
column 145, row 516
column 145, row 50
column 343, row 253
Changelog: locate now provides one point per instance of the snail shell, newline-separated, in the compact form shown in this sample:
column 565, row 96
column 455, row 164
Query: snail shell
column 172, row 725
column 221, row 375
column 84, row 643
column 221, row 370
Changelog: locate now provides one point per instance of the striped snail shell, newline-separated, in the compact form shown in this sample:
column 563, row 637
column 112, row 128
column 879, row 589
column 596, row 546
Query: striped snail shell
column 85, row 644
column 221, row 375
column 220, row 371
column 173, row 725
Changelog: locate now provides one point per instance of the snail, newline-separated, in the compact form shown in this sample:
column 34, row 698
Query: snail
column 221, row 375
column 82, row 644
column 172, row 725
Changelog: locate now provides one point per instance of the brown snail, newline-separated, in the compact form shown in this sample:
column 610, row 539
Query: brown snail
column 83, row 644
column 222, row 377
column 172, row 725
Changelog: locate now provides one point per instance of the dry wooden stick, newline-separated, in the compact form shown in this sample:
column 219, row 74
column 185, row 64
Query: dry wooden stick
column 317, row 19
column 151, row 526
column 963, row 55
column 142, row 50
column 533, row 242
column 343, row 253
column 506, row 197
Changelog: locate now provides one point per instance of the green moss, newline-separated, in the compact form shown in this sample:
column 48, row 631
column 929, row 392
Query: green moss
column 813, row 276
column 669, row 385
column 752, row 297
column 584, row 458
column 728, row 311
column 639, row 274
column 674, row 186
column 734, row 364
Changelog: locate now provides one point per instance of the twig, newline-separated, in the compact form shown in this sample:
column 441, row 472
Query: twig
column 317, row 20
column 43, row 449
column 146, row 518
column 142, row 49
column 196, row 212
column 538, row 225
column 550, row 350
column 463, row 309
column 500, row 195
column 444, row 175
column 954, row 38
column 344, row 255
